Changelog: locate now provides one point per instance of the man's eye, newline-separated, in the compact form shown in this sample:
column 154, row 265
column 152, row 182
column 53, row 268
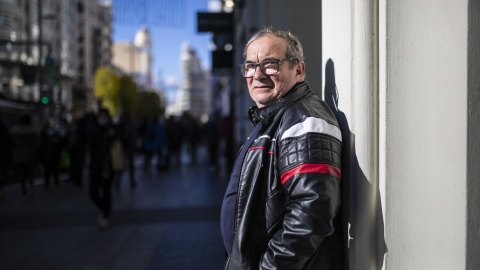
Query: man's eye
column 269, row 64
column 249, row 66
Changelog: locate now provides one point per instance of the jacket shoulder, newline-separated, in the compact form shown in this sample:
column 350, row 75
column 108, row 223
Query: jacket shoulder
column 309, row 113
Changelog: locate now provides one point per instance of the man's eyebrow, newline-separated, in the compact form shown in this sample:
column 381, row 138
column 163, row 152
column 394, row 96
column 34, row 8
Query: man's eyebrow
column 265, row 59
column 269, row 58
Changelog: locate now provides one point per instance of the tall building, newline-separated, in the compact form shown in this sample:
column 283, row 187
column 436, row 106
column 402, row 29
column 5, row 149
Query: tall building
column 19, row 50
column 37, row 63
column 135, row 58
column 59, row 34
column 195, row 92
column 94, row 26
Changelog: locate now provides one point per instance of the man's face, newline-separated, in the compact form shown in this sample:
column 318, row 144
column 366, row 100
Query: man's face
column 266, row 89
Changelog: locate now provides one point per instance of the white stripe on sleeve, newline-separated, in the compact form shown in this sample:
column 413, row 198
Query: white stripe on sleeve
column 312, row 124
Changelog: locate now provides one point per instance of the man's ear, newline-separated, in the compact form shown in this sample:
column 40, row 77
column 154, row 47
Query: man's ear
column 300, row 70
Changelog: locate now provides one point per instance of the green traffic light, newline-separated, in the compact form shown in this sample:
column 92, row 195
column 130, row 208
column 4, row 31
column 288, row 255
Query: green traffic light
column 45, row 100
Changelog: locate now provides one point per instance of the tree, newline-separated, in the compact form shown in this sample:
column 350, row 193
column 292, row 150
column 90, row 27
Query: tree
column 149, row 104
column 128, row 93
column 107, row 88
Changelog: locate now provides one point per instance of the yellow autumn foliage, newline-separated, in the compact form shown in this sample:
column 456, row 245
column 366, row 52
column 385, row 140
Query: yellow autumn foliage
column 115, row 92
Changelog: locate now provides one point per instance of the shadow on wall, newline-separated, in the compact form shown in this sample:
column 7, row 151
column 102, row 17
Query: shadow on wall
column 361, row 211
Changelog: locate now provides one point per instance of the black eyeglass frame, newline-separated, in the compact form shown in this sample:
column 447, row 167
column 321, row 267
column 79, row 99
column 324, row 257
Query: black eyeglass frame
column 259, row 64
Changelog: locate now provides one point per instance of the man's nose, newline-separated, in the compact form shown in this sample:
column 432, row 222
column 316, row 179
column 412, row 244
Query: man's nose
column 258, row 73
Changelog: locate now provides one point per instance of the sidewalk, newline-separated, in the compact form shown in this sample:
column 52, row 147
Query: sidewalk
column 169, row 221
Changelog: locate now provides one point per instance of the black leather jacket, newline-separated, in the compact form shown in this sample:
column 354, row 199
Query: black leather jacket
column 289, row 189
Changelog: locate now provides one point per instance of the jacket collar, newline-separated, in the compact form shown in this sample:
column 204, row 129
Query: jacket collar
column 265, row 114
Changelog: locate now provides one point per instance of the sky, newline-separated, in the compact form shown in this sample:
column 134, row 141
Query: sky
column 167, row 42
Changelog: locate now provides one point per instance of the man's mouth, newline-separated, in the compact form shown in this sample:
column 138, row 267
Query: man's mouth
column 262, row 87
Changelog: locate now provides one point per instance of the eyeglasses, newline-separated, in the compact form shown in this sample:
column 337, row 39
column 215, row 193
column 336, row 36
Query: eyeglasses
column 268, row 67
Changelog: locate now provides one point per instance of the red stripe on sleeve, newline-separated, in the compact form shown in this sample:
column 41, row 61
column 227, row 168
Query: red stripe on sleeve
column 258, row 147
column 311, row 168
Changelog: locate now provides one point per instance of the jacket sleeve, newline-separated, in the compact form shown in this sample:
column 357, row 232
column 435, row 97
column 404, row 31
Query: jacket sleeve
column 309, row 165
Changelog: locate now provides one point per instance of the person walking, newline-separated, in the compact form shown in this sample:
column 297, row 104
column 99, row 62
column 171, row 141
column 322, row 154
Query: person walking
column 25, row 153
column 76, row 148
column 128, row 135
column 101, row 136
column 5, row 154
column 152, row 140
column 50, row 150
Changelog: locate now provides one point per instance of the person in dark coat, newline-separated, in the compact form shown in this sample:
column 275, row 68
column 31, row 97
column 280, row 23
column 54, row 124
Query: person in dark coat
column 174, row 139
column 101, row 173
column 152, row 140
column 50, row 150
column 5, row 154
column 282, row 204
column 25, row 152
column 212, row 132
column 76, row 149
column 128, row 134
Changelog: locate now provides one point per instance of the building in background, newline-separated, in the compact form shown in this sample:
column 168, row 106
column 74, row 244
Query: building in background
column 195, row 92
column 59, row 33
column 50, row 50
column 37, row 55
column 19, row 50
column 94, row 27
column 135, row 58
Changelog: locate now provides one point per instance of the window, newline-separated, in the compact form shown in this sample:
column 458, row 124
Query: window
column 9, row 20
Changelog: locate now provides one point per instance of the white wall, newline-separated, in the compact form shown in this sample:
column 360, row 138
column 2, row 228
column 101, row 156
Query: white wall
column 417, row 69
column 426, row 125
column 350, row 57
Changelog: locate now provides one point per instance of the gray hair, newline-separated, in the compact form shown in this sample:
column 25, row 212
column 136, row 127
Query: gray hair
column 294, row 47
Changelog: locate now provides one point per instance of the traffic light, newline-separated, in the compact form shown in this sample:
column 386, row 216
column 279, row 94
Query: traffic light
column 45, row 100
column 45, row 97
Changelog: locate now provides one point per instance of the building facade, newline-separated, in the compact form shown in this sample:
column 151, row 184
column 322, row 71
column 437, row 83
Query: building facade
column 135, row 58
column 37, row 66
column 19, row 50
column 94, row 27
column 49, row 51
column 195, row 93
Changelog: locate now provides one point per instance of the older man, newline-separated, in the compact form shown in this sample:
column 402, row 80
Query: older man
column 280, row 207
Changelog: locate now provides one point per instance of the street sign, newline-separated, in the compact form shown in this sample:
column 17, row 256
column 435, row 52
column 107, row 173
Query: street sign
column 215, row 22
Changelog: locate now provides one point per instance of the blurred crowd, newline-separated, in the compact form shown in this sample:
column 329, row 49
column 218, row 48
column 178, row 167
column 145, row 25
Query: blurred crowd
column 99, row 151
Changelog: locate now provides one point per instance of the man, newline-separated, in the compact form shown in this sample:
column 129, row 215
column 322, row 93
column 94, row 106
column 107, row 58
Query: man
column 280, row 207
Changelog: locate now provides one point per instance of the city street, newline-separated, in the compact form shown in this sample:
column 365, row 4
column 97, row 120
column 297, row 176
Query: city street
column 169, row 221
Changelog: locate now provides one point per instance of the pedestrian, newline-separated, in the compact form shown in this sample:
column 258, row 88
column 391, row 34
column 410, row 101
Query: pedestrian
column 5, row 154
column 76, row 150
column 281, row 204
column 25, row 153
column 152, row 140
column 192, row 133
column 50, row 151
column 174, row 138
column 212, row 134
column 101, row 136
column 128, row 135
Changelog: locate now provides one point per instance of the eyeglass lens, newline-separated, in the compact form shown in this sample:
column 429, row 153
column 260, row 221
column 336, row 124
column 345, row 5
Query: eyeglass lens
column 267, row 67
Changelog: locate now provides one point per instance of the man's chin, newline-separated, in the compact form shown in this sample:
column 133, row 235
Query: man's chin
column 262, row 103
